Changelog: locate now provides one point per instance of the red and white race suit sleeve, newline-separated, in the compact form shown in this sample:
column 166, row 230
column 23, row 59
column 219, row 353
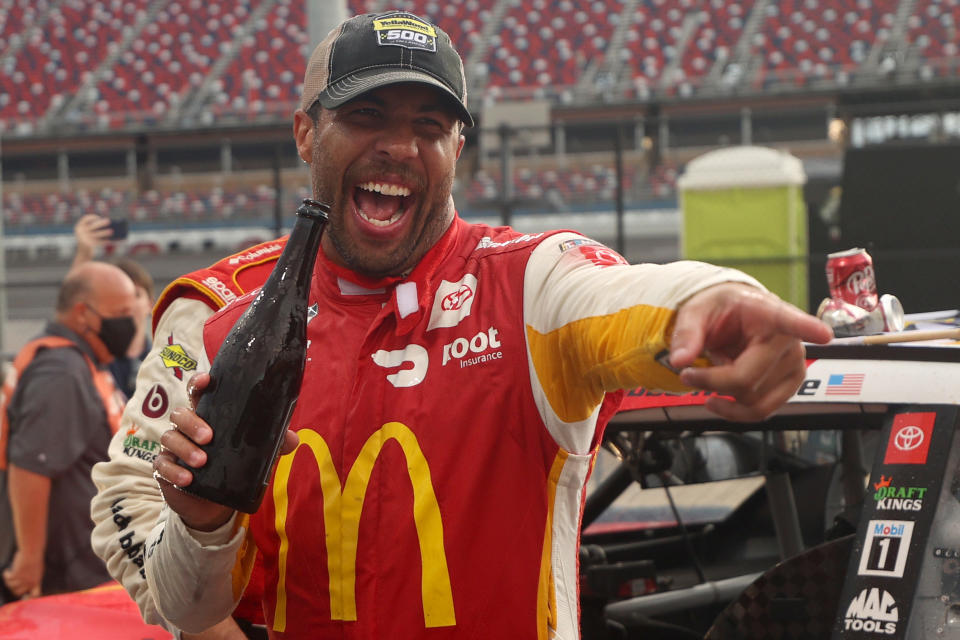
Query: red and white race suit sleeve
column 596, row 324
column 128, row 504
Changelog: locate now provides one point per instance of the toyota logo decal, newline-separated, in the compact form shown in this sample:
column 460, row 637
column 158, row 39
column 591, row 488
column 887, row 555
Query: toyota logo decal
column 908, row 438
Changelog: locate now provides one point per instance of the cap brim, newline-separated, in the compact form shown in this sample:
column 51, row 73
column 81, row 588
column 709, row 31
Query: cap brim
column 355, row 84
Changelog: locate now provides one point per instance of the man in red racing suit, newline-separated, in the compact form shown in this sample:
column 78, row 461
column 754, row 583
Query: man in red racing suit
column 456, row 383
column 459, row 409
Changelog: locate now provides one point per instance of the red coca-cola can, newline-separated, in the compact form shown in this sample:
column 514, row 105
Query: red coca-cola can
column 850, row 278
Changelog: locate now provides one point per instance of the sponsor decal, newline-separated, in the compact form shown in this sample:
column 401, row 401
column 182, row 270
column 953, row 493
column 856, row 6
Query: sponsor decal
column 453, row 302
column 845, row 384
column 253, row 255
column 946, row 553
column 175, row 357
column 407, row 377
column 487, row 243
column 153, row 545
column 156, row 403
column 808, row 388
column 873, row 611
column 343, row 504
column 220, row 289
column 885, row 548
column 566, row 245
column 140, row 448
column 895, row 498
column 643, row 392
column 601, row 256
column 482, row 345
column 910, row 438
column 405, row 30
column 134, row 550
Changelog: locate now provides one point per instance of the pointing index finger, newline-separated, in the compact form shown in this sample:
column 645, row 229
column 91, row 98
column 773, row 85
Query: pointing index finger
column 794, row 322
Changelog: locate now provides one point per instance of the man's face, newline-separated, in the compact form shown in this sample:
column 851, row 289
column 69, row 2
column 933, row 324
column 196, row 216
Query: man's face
column 385, row 162
column 117, row 301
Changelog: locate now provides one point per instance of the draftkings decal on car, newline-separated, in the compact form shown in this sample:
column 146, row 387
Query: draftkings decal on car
column 891, row 497
column 910, row 438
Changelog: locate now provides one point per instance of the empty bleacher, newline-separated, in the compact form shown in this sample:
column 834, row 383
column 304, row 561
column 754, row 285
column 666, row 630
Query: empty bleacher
column 549, row 44
column 934, row 37
column 115, row 64
column 804, row 41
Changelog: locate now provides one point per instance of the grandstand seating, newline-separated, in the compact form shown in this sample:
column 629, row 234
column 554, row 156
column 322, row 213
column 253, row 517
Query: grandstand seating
column 16, row 17
column 651, row 41
column 170, row 57
column 819, row 40
column 719, row 25
column 934, row 34
column 150, row 56
column 557, row 188
column 592, row 186
column 54, row 61
column 549, row 44
column 152, row 207
column 265, row 76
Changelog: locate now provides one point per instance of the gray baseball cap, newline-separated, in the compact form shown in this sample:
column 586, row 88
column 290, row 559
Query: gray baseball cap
column 375, row 50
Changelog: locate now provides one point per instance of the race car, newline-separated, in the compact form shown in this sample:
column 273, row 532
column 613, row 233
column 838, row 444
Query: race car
column 837, row 517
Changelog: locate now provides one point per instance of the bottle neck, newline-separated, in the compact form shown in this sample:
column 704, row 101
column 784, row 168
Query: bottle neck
column 304, row 243
column 300, row 253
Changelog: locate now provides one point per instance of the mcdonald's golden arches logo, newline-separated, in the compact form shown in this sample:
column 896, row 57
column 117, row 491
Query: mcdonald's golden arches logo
column 342, row 506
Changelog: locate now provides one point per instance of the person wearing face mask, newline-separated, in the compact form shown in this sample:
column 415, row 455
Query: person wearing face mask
column 60, row 407
column 92, row 232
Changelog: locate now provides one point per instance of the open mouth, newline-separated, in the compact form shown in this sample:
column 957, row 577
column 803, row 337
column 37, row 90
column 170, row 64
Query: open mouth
column 381, row 204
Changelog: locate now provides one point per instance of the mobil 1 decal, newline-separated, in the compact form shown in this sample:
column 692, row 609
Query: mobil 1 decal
column 898, row 510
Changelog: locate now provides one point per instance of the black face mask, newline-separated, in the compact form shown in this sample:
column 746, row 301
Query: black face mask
column 116, row 333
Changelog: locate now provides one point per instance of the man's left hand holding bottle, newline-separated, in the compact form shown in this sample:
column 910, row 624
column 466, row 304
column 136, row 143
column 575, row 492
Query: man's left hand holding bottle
column 183, row 442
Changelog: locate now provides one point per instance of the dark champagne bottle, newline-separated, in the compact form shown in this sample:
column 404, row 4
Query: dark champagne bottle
column 255, row 377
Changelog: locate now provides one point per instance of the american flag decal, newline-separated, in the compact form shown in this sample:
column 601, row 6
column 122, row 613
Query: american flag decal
column 844, row 384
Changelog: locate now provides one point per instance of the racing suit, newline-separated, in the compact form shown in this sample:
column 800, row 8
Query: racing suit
column 447, row 420
column 128, row 502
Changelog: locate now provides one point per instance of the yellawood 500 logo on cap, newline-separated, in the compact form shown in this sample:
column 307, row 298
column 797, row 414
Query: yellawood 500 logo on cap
column 405, row 30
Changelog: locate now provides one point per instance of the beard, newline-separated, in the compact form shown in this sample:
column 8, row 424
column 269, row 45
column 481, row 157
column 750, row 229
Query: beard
column 430, row 217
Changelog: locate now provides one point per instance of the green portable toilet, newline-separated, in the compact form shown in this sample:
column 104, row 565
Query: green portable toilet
column 743, row 207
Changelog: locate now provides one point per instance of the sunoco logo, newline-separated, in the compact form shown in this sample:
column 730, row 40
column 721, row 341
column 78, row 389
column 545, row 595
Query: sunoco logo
column 174, row 356
column 873, row 611
column 898, row 498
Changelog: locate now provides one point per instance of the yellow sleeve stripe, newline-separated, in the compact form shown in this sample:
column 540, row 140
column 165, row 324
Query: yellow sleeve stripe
column 546, row 592
column 580, row 361
column 246, row 554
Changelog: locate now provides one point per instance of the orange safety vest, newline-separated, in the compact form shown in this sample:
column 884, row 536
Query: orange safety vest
column 113, row 398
